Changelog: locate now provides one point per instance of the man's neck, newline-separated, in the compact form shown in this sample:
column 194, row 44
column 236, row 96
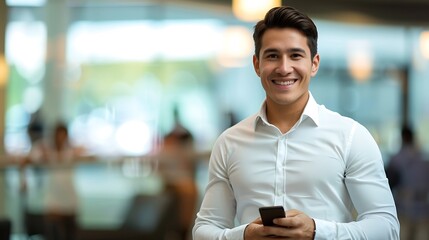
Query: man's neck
column 284, row 117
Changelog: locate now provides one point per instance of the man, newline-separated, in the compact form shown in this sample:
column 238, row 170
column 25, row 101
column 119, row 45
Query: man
column 408, row 177
column 324, row 169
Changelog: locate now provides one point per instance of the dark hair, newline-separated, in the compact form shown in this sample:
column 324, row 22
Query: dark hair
column 407, row 135
column 286, row 17
column 61, row 127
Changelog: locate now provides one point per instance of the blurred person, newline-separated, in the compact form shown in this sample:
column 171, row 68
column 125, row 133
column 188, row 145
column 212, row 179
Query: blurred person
column 35, row 131
column 31, row 178
column 35, row 127
column 326, row 170
column 177, row 167
column 60, row 199
column 408, row 171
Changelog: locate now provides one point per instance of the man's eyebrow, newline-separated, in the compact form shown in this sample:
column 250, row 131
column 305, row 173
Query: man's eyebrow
column 293, row 50
column 290, row 50
column 270, row 50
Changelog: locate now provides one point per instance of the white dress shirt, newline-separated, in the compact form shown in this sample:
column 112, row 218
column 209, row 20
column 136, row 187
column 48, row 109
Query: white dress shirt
column 327, row 166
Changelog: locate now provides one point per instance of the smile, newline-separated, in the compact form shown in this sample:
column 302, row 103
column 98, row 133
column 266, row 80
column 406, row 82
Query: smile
column 284, row 83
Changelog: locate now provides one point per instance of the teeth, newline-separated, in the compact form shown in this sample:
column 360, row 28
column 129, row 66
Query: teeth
column 285, row 83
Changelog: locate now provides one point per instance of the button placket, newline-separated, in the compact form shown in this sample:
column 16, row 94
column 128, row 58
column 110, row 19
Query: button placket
column 280, row 171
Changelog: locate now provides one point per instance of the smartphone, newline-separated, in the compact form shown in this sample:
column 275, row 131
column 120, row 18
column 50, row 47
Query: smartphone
column 269, row 213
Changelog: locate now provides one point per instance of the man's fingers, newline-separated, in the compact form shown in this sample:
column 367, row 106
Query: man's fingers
column 292, row 213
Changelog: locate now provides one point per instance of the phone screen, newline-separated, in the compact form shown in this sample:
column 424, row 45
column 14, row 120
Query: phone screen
column 269, row 213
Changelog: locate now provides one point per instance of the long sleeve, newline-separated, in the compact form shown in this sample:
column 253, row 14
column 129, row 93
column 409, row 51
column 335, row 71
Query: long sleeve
column 369, row 190
column 215, row 220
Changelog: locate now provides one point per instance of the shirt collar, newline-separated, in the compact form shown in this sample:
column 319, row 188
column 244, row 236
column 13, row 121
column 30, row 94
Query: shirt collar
column 311, row 111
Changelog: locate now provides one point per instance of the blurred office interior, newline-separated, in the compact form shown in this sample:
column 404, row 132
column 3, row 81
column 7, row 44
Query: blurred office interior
column 116, row 71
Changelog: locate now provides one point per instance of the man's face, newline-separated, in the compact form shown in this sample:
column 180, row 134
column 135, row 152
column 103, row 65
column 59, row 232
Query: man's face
column 285, row 66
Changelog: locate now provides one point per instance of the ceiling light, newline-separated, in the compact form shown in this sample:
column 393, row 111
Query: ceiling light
column 360, row 60
column 4, row 70
column 252, row 10
column 424, row 44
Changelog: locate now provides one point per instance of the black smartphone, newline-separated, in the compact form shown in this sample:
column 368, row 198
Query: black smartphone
column 271, row 212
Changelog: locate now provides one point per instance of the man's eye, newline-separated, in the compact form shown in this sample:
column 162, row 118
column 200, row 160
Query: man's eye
column 272, row 56
column 296, row 56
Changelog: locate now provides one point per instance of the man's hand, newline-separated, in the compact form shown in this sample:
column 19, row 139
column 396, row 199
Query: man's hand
column 296, row 225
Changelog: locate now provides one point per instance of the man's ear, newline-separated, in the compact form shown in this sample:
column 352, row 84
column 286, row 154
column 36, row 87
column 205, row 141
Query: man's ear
column 256, row 65
column 315, row 65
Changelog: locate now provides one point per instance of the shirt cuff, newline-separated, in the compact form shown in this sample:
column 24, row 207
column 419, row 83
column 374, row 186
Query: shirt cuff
column 324, row 230
column 236, row 233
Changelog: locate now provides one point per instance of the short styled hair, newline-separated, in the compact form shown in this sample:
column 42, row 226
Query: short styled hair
column 286, row 17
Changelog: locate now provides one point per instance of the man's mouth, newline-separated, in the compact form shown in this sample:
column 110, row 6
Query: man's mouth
column 284, row 83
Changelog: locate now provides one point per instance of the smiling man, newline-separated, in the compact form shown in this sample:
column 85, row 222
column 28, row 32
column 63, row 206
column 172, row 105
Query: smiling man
column 325, row 169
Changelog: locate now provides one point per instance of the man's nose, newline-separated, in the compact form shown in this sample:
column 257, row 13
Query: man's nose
column 284, row 66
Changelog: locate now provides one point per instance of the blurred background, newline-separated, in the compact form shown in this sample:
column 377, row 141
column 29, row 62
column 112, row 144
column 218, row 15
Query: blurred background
column 123, row 75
